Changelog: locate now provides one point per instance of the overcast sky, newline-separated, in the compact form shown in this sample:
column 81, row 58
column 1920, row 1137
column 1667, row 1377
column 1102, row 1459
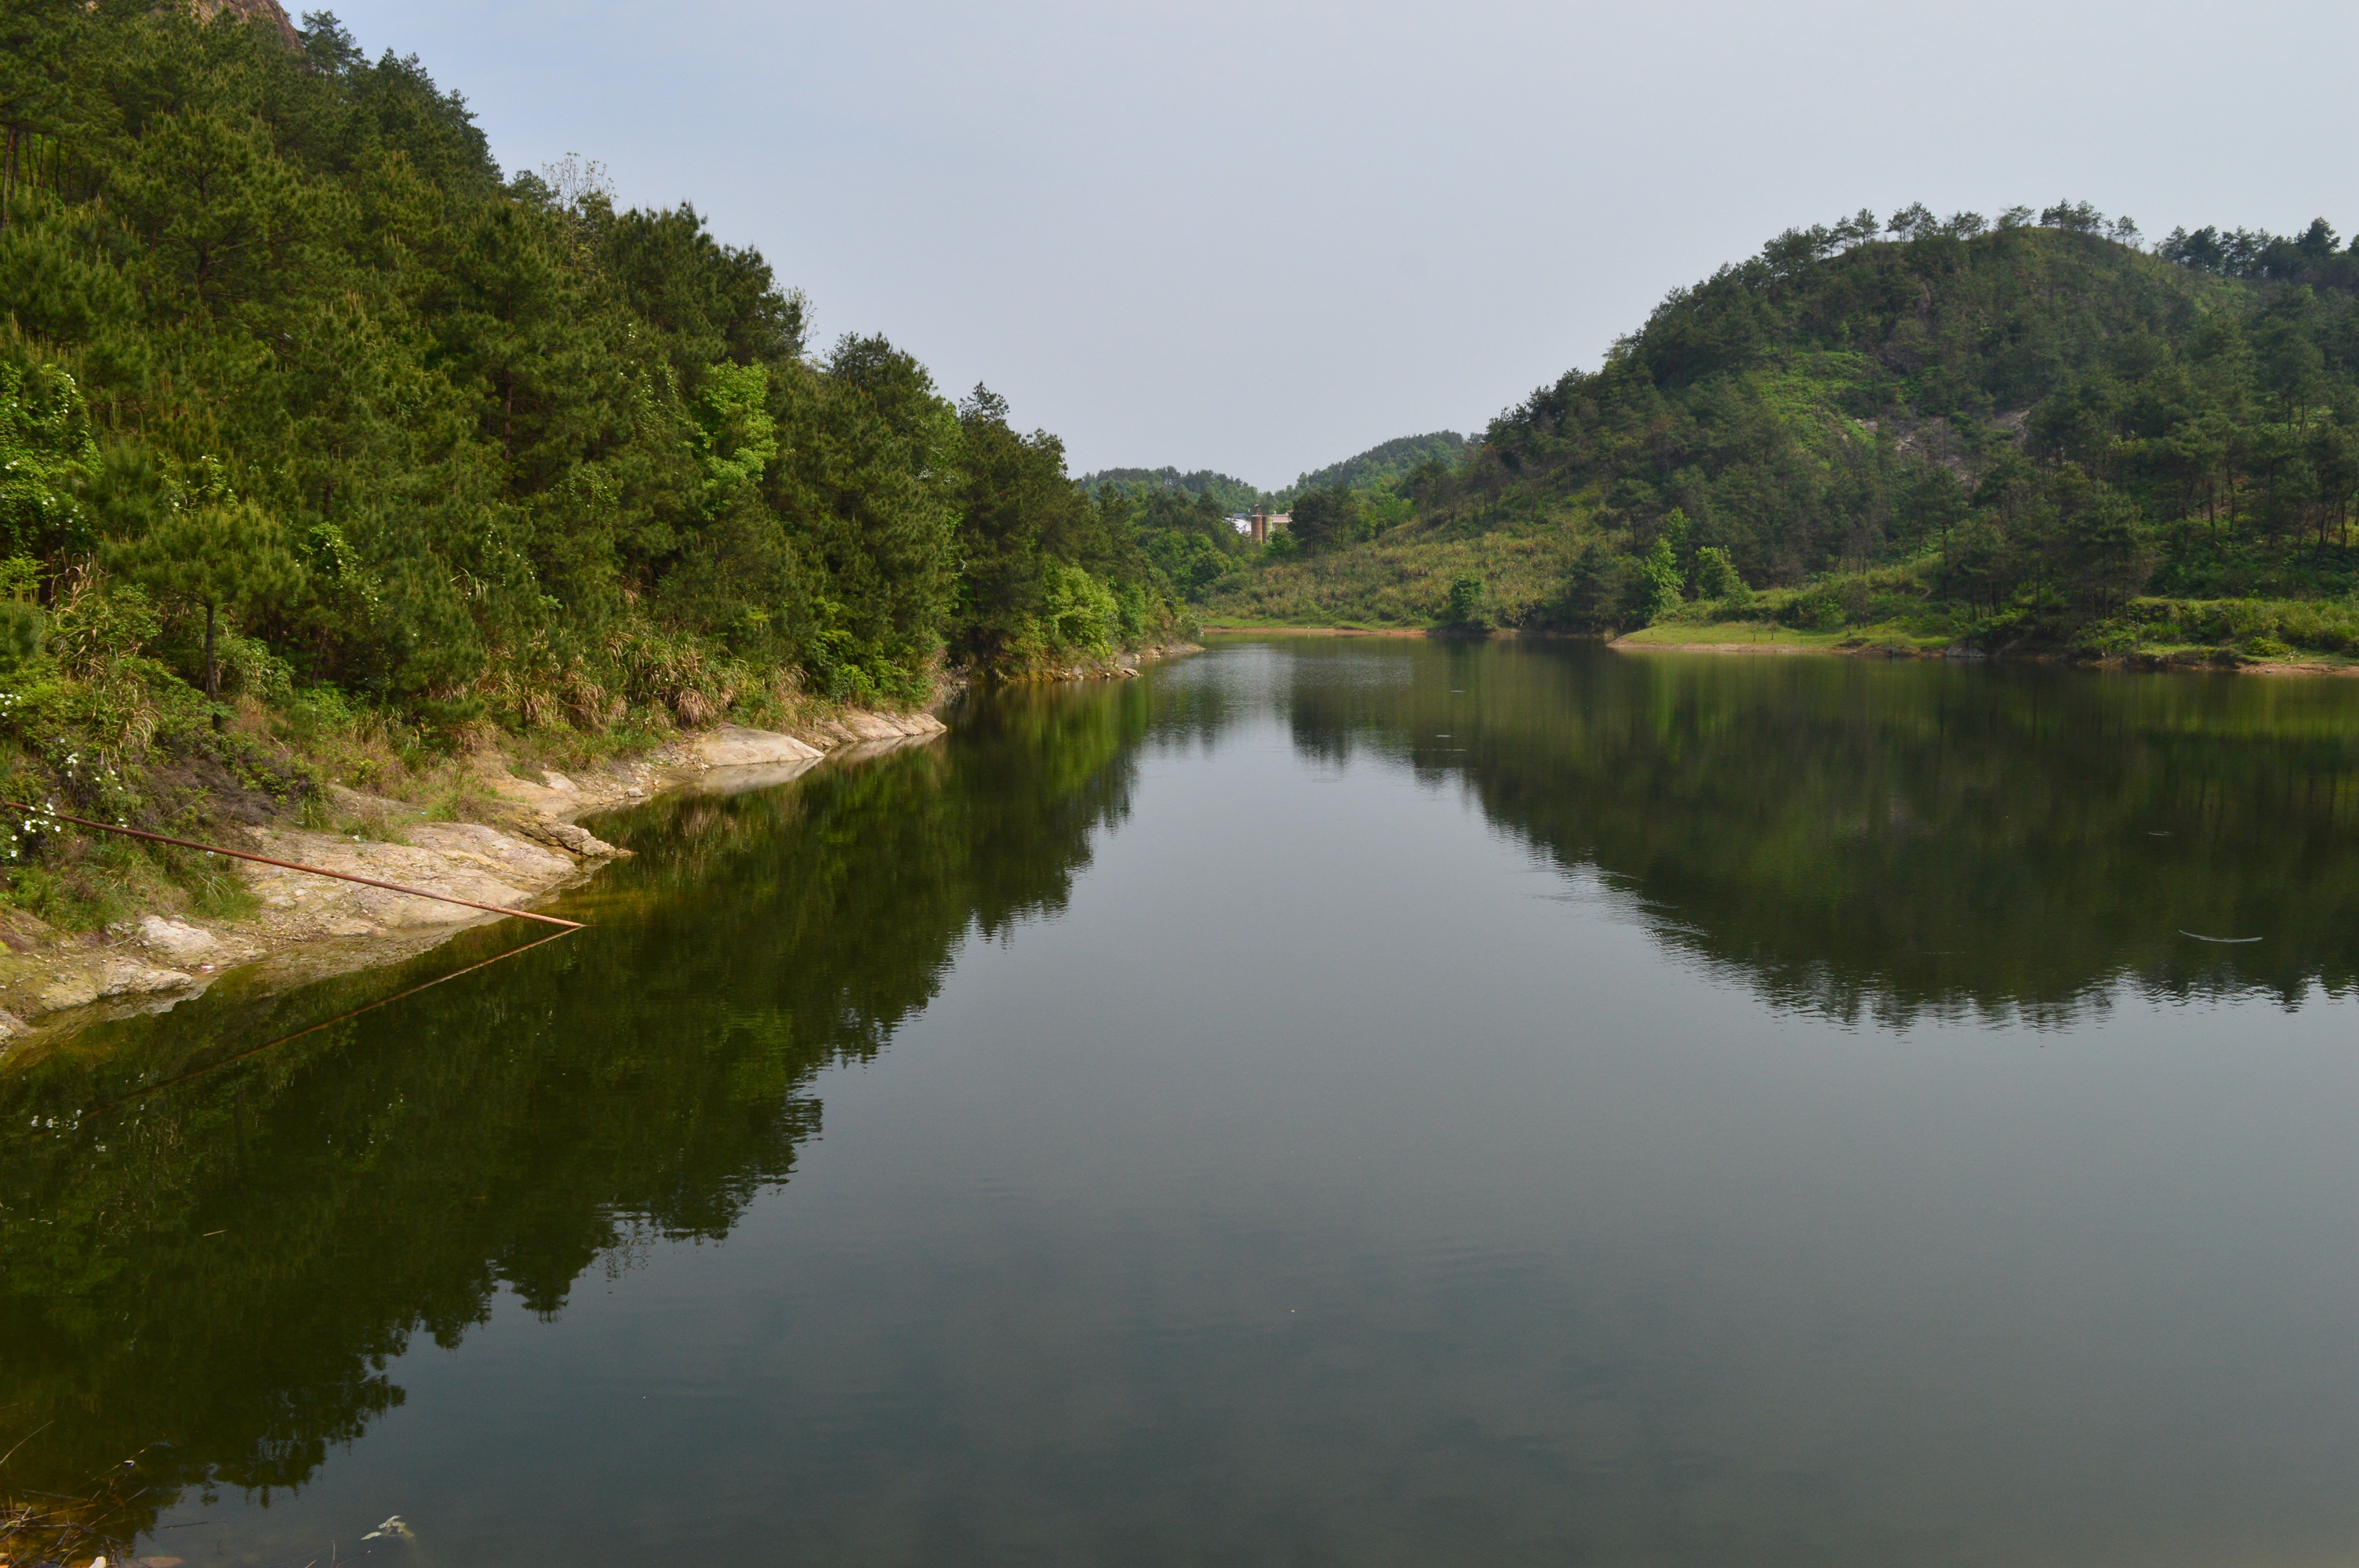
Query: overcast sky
column 1261, row 236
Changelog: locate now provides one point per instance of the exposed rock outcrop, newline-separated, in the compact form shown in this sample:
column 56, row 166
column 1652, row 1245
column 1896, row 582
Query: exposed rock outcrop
column 269, row 12
column 310, row 927
column 114, row 975
column 461, row 860
column 177, row 940
column 733, row 746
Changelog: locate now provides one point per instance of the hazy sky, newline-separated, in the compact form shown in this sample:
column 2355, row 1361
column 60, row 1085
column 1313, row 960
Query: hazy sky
column 1260, row 237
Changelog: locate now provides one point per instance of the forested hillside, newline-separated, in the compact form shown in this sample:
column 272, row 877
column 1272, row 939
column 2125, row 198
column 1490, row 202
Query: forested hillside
column 299, row 390
column 2032, row 430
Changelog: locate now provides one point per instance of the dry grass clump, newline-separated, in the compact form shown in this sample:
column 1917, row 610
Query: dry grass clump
column 39, row 1529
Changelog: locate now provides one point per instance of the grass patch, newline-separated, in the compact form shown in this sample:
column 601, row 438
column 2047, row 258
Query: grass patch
column 1402, row 579
column 1898, row 637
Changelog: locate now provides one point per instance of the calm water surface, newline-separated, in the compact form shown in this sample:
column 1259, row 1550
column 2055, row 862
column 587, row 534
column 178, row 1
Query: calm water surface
column 1325, row 1102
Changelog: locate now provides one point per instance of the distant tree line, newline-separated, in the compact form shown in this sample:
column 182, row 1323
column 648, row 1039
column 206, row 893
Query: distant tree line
column 2256, row 255
column 1224, row 490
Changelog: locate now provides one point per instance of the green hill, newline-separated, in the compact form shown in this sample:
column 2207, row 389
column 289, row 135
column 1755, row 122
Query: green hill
column 1387, row 459
column 1224, row 490
column 2027, row 433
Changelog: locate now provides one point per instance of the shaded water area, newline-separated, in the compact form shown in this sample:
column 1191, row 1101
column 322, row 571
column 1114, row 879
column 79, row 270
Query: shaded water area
column 1323, row 1102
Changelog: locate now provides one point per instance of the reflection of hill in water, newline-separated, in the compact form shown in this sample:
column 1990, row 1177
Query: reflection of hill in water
column 1891, row 838
column 1895, row 839
column 385, row 1176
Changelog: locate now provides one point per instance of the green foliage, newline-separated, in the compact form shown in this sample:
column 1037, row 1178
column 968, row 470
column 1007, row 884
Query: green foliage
column 2313, row 257
column 1327, row 518
column 498, row 449
column 736, row 431
column 1464, row 609
column 217, row 555
column 2257, row 627
column 1077, row 613
column 46, row 453
column 1041, row 558
column 21, row 626
column 1187, row 540
column 305, row 404
column 1395, row 461
column 1716, row 576
column 1392, row 460
column 1402, row 579
column 2121, row 421
column 1598, row 590
column 1223, row 491
column 1661, row 575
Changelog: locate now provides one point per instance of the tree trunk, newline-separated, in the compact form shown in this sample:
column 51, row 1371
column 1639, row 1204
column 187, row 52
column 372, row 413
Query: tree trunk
column 212, row 671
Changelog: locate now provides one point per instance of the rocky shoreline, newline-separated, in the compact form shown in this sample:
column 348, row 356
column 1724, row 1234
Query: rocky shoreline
column 310, row 927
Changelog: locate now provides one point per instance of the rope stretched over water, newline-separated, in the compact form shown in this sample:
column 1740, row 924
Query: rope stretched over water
column 332, row 1022
column 286, row 865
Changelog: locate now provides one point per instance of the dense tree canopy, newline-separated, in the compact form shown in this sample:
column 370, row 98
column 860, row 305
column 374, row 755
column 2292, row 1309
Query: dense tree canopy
column 522, row 453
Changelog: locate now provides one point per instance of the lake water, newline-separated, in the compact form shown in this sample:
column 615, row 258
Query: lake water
column 1327, row 1101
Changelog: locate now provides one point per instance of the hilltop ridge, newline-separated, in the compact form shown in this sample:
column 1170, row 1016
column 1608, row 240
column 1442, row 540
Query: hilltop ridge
column 1386, row 459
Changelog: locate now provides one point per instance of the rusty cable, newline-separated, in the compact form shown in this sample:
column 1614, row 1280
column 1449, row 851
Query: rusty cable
column 326, row 1022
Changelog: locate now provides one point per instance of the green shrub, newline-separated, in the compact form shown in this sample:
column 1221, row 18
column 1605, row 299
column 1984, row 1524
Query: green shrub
column 1464, row 609
column 1659, row 572
column 1079, row 613
column 21, row 629
column 1716, row 577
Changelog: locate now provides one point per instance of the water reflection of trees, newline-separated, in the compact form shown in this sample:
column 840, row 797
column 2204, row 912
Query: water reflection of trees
column 225, row 1267
column 228, row 1265
column 1896, row 839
